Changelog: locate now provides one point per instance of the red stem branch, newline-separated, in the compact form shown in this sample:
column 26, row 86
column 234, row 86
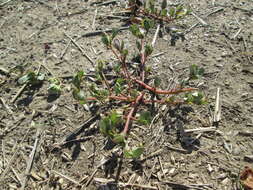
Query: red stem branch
column 131, row 113
column 123, row 62
column 158, row 91
column 122, row 98
column 143, row 60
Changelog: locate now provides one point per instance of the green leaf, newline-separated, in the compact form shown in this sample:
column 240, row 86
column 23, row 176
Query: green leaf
column 164, row 4
column 181, row 11
column 164, row 12
column 115, row 119
column 105, row 126
column 54, row 89
column 119, row 139
column 108, row 125
column 78, row 79
column 195, row 72
column 124, row 52
column 115, row 31
column 54, row 86
column 195, row 98
column 32, row 78
column 79, row 95
column 152, row 6
column 136, row 31
column 106, row 40
column 122, row 45
column 157, row 81
column 118, row 88
column 54, row 80
column 148, row 50
column 100, row 67
column 147, row 24
column 135, row 153
column 24, row 79
column 117, row 68
column 171, row 99
column 172, row 12
column 145, row 118
column 138, row 44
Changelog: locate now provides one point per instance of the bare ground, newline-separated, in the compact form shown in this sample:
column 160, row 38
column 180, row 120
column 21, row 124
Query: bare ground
column 33, row 33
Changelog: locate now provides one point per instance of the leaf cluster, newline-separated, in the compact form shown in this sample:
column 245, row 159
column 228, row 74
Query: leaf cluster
column 32, row 78
column 77, row 92
column 109, row 126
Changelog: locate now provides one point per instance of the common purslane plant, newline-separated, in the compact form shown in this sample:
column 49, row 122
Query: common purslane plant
column 131, row 87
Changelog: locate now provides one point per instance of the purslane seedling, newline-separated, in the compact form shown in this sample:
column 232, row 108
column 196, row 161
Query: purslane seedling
column 131, row 89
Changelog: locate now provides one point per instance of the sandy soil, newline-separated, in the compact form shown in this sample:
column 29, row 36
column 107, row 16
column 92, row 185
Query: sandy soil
column 37, row 32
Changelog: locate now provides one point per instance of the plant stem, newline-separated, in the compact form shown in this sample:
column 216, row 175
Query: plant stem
column 164, row 102
column 155, row 16
column 106, row 82
column 131, row 113
column 158, row 91
column 143, row 60
column 122, row 98
column 124, row 67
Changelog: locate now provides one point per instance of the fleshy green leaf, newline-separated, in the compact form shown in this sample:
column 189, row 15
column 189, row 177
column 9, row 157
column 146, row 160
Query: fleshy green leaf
column 164, row 4
column 145, row 118
column 106, row 40
column 122, row 45
column 138, row 44
column 78, row 79
column 32, row 78
column 148, row 50
column 195, row 72
column 157, row 81
column 118, row 88
column 109, row 124
column 114, row 33
column 119, row 139
column 172, row 12
column 135, row 153
column 54, row 87
column 136, row 31
column 152, row 6
column 125, row 52
column 163, row 12
column 195, row 98
column 25, row 78
column 116, row 68
column 147, row 24
column 105, row 126
column 79, row 95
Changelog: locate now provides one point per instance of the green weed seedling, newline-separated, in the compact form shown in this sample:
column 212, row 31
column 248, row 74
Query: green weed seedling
column 54, row 86
column 32, row 78
column 132, row 89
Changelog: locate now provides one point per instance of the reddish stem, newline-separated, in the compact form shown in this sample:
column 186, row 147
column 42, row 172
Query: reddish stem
column 123, row 62
column 143, row 60
column 158, row 17
column 163, row 102
column 131, row 113
column 122, row 98
column 158, row 91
